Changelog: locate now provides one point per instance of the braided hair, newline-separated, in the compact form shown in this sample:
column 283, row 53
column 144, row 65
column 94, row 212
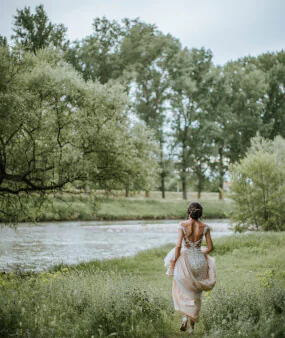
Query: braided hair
column 195, row 210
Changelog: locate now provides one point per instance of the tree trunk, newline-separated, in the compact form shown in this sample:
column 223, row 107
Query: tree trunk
column 183, row 178
column 162, row 185
column 126, row 191
column 200, row 181
column 147, row 194
column 184, row 184
column 162, row 168
column 221, row 173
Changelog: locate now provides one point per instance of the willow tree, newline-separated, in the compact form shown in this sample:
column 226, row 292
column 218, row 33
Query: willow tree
column 56, row 129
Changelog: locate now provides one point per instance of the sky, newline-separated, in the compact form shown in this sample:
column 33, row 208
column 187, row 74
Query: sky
column 230, row 28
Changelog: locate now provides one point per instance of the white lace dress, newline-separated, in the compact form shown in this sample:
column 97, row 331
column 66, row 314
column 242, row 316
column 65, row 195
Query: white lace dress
column 194, row 273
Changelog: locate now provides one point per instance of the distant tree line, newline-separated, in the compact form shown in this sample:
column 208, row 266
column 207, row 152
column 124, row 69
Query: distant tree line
column 106, row 108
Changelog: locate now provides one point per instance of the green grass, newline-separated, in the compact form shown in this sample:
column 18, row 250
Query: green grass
column 89, row 207
column 131, row 297
column 98, row 206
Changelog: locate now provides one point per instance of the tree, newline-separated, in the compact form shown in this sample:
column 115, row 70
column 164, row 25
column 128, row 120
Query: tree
column 190, row 78
column 97, row 56
column 247, row 89
column 235, row 106
column 35, row 31
column 56, row 130
column 146, row 53
column 142, row 160
column 220, row 124
column 258, row 187
column 273, row 114
column 3, row 41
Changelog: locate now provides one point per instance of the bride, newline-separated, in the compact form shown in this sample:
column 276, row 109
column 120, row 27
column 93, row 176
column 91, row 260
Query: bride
column 192, row 269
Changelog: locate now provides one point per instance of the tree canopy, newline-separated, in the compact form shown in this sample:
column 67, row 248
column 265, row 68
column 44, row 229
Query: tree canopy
column 115, row 106
column 34, row 31
column 58, row 129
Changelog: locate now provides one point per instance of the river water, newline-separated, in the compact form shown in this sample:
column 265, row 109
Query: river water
column 39, row 247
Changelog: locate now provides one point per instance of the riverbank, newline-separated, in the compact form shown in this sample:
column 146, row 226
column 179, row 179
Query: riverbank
column 93, row 208
column 39, row 247
column 131, row 297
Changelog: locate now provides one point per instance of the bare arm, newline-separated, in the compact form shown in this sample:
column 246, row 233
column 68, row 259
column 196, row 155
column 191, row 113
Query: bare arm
column 209, row 242
column 178, row 245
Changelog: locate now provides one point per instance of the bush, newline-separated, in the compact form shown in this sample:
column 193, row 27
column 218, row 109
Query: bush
column 258, row 187
column 258, row 312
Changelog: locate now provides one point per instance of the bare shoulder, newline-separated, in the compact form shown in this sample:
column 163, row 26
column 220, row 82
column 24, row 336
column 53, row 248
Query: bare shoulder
column 204, row 227
column 185, row 223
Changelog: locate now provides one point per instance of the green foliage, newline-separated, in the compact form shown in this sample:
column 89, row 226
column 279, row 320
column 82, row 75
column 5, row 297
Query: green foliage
column 258, row 187
column 245, row 313
column 246, row 89
column 35, row 31
column 273, row 65
column 145, row 52
column 242, row 245
column 82, row 303
column 98, row 56
column 3, row 41
column 267, row 278
column 57, row 129
column 92, row 207
column 213, row 111
column 190, row 74
column 249, row 298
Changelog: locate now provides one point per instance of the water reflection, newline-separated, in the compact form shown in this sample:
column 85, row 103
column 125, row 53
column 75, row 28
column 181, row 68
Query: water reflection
column 39, row 247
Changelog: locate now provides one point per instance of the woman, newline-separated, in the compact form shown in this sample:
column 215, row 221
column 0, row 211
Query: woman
column 192, row 269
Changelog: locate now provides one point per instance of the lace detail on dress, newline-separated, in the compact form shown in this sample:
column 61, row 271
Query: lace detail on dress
column 188, row 242
column 198, row 261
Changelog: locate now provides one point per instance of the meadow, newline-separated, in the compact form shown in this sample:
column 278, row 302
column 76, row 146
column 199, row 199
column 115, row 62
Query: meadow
column 131, row 297
column 98, row 206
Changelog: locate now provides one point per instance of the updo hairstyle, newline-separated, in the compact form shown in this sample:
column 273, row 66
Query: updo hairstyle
column 195, row 210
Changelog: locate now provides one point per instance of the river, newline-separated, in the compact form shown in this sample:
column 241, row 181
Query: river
column 38, row 247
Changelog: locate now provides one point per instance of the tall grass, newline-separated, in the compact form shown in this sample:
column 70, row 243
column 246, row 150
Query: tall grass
column 131, row 297
column 254, row 312
column 83, row 303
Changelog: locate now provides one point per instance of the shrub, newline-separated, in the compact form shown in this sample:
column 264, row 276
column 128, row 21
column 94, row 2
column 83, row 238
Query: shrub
column 245, row 313
column 258, row 187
